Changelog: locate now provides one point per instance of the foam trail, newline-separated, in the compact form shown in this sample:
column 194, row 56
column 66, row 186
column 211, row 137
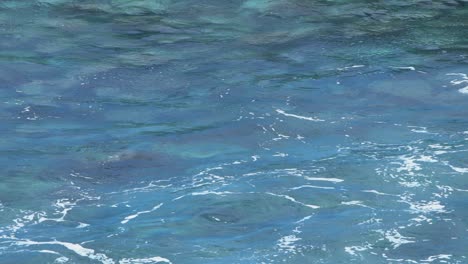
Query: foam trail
column 130, row 217
column 378, row 193
column 458, row 169
column 464, row 79
column 411, row 68
column 78, row 249
column 312, row 186
column 294, row 200
column 144, row 260
column 323, row 179
column 287, row 243
column 396, row 239
column 298, row 116
column 438, row 257
column 353, row 249
column 356, row 203
column 212, row 192
column 49, row 252
column 351, row 67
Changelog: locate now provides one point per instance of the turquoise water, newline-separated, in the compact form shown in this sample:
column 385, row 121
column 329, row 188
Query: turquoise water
column 223, row 131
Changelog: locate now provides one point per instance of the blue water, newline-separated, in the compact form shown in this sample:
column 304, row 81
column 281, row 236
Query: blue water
column 245, row 131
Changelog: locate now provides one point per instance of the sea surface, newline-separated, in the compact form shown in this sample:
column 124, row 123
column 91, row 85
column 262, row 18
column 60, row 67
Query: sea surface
column 233, row 131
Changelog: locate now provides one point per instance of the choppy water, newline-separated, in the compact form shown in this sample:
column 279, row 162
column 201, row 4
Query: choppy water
column 220, row 131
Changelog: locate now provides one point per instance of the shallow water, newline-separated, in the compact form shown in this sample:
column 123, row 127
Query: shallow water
column 233, row 131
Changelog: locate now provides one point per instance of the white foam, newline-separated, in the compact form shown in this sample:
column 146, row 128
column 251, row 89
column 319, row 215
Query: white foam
column 212, row 192
column 20, row 222
column 438, row 146
column 294, row 200
column 323, row 179
column 437, row 257
column 298, row 116
column 49, row 252
column 394, row 237
column 130, row 217
column 398, row 260
column 82, row 225
column 351, row 203
column 312, row 186
column 179, row 197
column 280, row 154
column 423, row 206
column 410, row 164
column 149, row 187
column 64, row 206
column 422, row 130
column 425, row 158
column 372, row 220
column 420, row 219
column 357, row 203
column 427, row 207
column 377, row 192
column 410, row 184
column 463, row 90
column 76, row 248
column 353, row 249
column 287, row 243
column 144, row 260
column 411, row 68
column 61, row 260
column 350, row 67
column 458, row 169
column 304, row 219
column 78, row 175
column 463, row 79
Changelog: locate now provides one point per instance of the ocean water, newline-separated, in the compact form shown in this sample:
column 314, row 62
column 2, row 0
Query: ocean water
column 242, row 131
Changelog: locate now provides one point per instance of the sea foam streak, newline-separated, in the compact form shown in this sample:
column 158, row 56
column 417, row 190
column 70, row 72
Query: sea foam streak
column 464, row 79
column 130, row 217
column 299, row 117
column 144, row 260
column 90, row 253
column 294, row 200
column 78, row 249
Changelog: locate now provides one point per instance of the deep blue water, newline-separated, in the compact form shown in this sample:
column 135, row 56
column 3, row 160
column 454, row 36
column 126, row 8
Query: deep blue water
column 243, row 131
